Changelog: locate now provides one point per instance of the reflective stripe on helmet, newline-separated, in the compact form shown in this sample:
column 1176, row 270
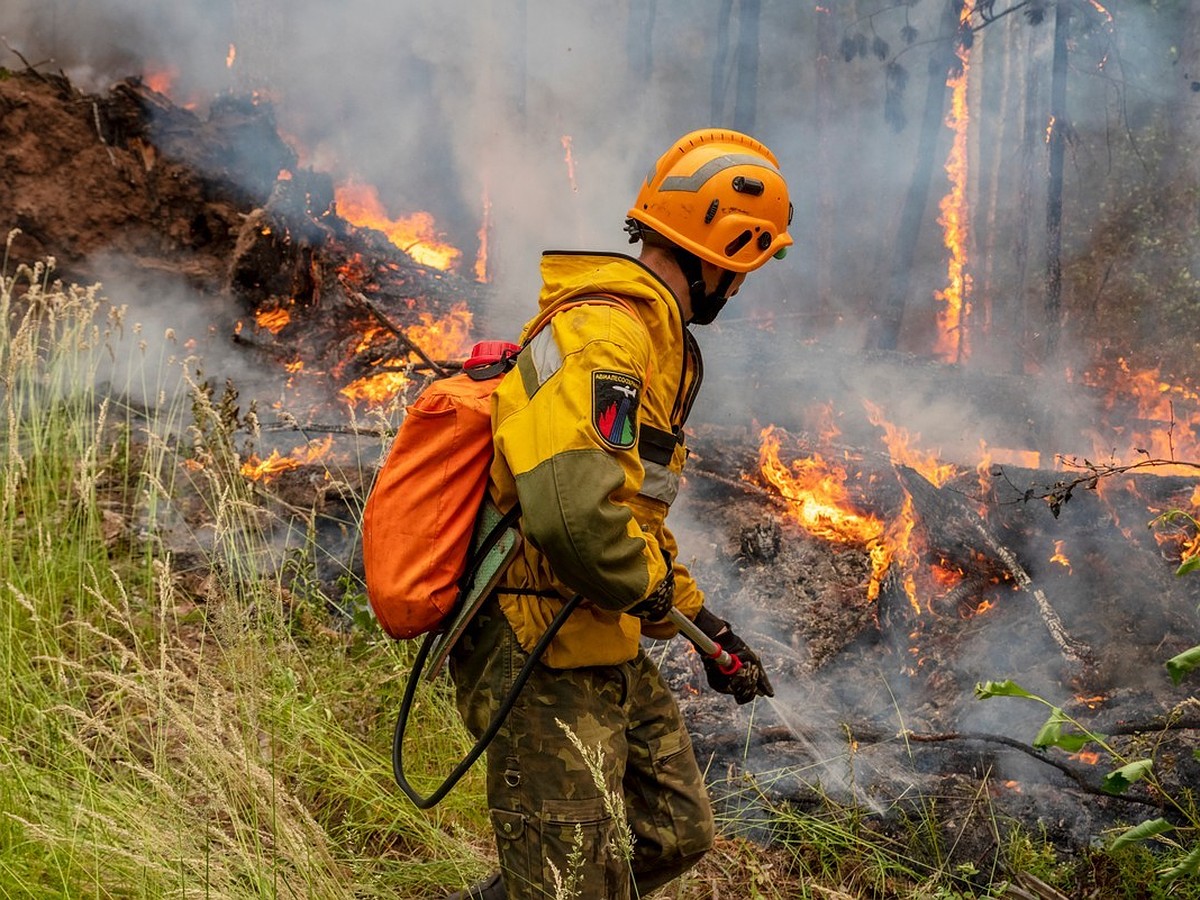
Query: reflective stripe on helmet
column 697, row 179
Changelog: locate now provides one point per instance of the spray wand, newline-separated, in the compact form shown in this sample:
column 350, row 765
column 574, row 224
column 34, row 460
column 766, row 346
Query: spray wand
column 727, row 662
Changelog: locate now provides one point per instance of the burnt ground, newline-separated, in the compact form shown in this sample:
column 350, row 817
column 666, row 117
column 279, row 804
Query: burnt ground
column 874, row 702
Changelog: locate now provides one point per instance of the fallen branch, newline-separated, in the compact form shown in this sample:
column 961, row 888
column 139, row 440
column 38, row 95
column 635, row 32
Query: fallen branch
column 383, row 320
column 869, row 734
column 943, row 507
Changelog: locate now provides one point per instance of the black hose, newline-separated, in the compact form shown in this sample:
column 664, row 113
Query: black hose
column 460, row 770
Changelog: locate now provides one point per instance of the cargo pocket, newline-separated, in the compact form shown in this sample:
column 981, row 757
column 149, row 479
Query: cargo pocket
column 664, row 749
column 579, row 840
column 673, row 815
column 518, row 860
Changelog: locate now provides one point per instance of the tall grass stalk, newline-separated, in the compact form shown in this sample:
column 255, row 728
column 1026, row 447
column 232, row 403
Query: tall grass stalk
column 156, row 742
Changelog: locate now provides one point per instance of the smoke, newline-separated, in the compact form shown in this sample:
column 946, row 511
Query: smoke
column 445, row 107
column 169, row 331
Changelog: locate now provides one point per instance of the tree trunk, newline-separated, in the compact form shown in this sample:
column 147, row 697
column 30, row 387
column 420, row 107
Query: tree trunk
column 746, row 96
column 717, row 96
column 884, row 332
column 826, row 34
column 1180, row 168
column 1058, row 138
column 521, row 54
column 639, row 39
column 1030, row 138
column 992, row 304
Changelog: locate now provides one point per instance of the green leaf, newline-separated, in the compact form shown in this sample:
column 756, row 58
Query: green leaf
column 1189, row 866
column 1006, row 688
column 1172, row 515
column 1118, row 781
column 1142, row 831
column 1180, row 665
column 1189, row 565
column 1053, row 735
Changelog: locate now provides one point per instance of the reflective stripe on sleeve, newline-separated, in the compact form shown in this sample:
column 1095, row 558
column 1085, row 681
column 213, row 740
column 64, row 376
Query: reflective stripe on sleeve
column 546, row 358
column 660, row 483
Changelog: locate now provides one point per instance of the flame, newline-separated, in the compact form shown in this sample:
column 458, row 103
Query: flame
column 443, row 338
column 899, row 443
column 231, row 56
column 819, row 502
column 257, row 469
column 1100, row 9
column 1087, row 757
column 1050, row 129
column 161, row 80
column 415, row 234
column 951, row 341
column 984, row 606
column 1060, row 557
column 570, row 160
column 901, row 547
column 902, row 550
column 1178, row 536
column 273, row 320
column 485, row 226
column 1157, row 401
column 1004, row 456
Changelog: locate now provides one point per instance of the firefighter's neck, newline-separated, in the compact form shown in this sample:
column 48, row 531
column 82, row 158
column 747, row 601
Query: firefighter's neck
column 661, row 262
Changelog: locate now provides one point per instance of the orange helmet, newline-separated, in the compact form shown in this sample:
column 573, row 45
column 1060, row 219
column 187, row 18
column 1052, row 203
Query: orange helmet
column 718, row 194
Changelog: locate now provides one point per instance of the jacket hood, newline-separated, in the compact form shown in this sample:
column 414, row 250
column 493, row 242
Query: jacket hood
column 571, row 274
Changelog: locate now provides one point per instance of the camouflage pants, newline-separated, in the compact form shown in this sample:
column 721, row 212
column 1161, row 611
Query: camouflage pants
column 545, row 806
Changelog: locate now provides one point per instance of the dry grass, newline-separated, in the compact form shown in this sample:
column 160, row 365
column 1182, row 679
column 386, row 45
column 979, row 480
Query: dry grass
column 223, row 741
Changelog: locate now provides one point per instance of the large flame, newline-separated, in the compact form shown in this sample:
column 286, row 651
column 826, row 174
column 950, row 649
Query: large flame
column 257, row 469
column 1167, row 419
column 951, row 342
column 440, row 339
column 819, row 501
column 415, row 234
column 901, row 448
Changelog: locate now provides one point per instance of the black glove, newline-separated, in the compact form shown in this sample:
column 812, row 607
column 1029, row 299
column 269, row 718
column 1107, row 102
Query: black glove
column 744, row 682
column 659, row 602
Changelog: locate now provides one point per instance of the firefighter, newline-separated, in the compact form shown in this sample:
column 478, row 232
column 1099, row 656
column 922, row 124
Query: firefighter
column 589, row 441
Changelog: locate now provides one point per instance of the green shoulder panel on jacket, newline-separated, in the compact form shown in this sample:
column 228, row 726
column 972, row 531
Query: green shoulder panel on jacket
column 596, row 547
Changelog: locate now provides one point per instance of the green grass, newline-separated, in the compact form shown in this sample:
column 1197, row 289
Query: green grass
column 163, row 740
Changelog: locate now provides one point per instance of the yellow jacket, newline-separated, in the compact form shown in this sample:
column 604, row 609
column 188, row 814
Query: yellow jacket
column 589, row 439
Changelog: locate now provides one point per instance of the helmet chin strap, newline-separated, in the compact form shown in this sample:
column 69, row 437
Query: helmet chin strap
column 705, row 306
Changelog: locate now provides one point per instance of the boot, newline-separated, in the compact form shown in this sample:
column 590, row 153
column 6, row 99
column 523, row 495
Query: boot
column 491, row 888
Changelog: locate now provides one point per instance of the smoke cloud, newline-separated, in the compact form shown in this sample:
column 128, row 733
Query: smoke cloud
column 445, row 107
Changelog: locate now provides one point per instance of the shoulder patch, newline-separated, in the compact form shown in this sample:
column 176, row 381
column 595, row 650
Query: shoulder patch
column 615, row 397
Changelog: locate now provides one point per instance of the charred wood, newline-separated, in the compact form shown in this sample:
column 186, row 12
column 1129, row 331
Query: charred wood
column 399, row 335
column 945, row 516
column 1082, row 775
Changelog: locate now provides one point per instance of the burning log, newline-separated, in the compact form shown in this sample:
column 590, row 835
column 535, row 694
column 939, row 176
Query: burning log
column 947, row 518
column 409, row 344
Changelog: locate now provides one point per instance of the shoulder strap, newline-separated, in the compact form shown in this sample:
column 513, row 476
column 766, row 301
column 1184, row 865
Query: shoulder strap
column 543, row 318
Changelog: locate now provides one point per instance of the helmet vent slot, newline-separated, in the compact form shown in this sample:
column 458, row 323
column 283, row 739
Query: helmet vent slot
column 738, row 243
column 712, row 211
